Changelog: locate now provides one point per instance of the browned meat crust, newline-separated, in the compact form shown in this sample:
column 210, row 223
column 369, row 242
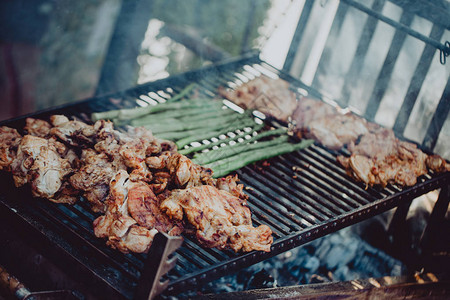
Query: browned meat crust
column 270, row 96
column 221, row 220
column 124, row 175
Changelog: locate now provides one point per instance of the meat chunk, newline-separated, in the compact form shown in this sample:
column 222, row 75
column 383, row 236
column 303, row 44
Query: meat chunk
column 221, row 220
column 37, row 127
column 143, row 206
column 380, row 158
column 9, row 141
column 335, row 131
column 270, row 96
column 133, row 216
column 74, row 133
column 39, row 163
column 93, row 178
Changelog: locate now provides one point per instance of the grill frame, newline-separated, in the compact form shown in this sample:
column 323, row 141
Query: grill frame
column 274, row 189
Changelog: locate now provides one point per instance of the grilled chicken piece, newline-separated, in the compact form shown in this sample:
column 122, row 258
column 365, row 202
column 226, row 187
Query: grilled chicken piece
column 270, row 96
column 376, row 144
column 437, row 164
column 230, row 185
column 308, row 110
column 9, row 141
column 93, row 178
column 221, row 220
column 74, row 133
column 182, row 171
column 335, row 131
column 133, row 216
column 322, row 122
column 37, row 127
column 39, row 163
column 379, row 158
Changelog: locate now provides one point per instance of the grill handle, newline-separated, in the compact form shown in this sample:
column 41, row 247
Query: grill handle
column 156, row 265
column 12, row 285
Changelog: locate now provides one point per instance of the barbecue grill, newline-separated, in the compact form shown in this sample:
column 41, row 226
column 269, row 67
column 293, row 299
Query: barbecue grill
column 302, row 196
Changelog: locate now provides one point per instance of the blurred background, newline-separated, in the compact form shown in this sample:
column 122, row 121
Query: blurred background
column 55, row 52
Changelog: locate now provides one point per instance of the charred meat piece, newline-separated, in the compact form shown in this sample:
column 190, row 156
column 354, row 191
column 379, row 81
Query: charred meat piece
column 37, row 127
column 93, row 178
column 308, row 110
column 74, row 133
column 133, row 216
column 9, row 141
column 270, row 96
column 221, row 220
column 380, row 158
column 335, row 131
column 39, row 163
column 325, row 124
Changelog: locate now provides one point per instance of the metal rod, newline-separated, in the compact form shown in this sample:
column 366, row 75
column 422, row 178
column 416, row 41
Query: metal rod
column 444, row 48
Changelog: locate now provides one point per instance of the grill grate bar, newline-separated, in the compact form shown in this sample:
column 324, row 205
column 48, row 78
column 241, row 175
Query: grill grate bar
column 303, row 179
column 48, row 211
column 284, row 208
column 262, row 217
column 326, row 172
column 293, row 187
column 270, row 188
column 311, row 177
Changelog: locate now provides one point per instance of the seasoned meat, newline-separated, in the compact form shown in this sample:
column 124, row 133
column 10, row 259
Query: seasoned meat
column 9, row 141
column 74, row 133
column 308, row 109
column 143, row 206
column 270, row 96
column 377, row 144
column 221, row 220
column 93, row 178
column 379, row 158
column 39, row 163
column 335, row 131
column 325, row 124
column 37, row 127
column 437, row 164
column 133, row 216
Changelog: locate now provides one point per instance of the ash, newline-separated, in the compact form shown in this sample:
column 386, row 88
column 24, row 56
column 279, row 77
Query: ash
column 340, row 256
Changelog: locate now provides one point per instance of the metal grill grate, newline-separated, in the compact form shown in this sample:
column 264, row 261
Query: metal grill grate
column 302, row 196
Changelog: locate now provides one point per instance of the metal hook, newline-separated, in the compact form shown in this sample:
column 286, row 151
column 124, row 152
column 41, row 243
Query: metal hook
column 445, row 52
column 323, row 3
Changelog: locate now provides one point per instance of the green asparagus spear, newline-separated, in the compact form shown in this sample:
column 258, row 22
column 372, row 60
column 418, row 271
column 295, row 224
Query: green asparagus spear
column 168, row 118
column 221, row 121
column 222, row 153
column 183, row 92
column 227, row 165
column 222, row 128
column 257, row 127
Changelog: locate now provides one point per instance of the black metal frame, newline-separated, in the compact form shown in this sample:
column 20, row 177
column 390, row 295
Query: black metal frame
column 438, row 12
column 300, row 204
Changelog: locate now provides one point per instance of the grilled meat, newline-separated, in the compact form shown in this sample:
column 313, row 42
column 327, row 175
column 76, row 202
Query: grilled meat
column 37, row 127
column 270, row 96
column 308, row 109
column 221, row 220
column 133, row 216
column 9, row 141
column 379, row 158
column 93, row 178
column 126, row 176
column 39, row 163
column 319, row 121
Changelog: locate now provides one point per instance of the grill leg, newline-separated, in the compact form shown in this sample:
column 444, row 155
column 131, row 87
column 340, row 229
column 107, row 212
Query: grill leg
column 397, row 228
column 435, row 230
